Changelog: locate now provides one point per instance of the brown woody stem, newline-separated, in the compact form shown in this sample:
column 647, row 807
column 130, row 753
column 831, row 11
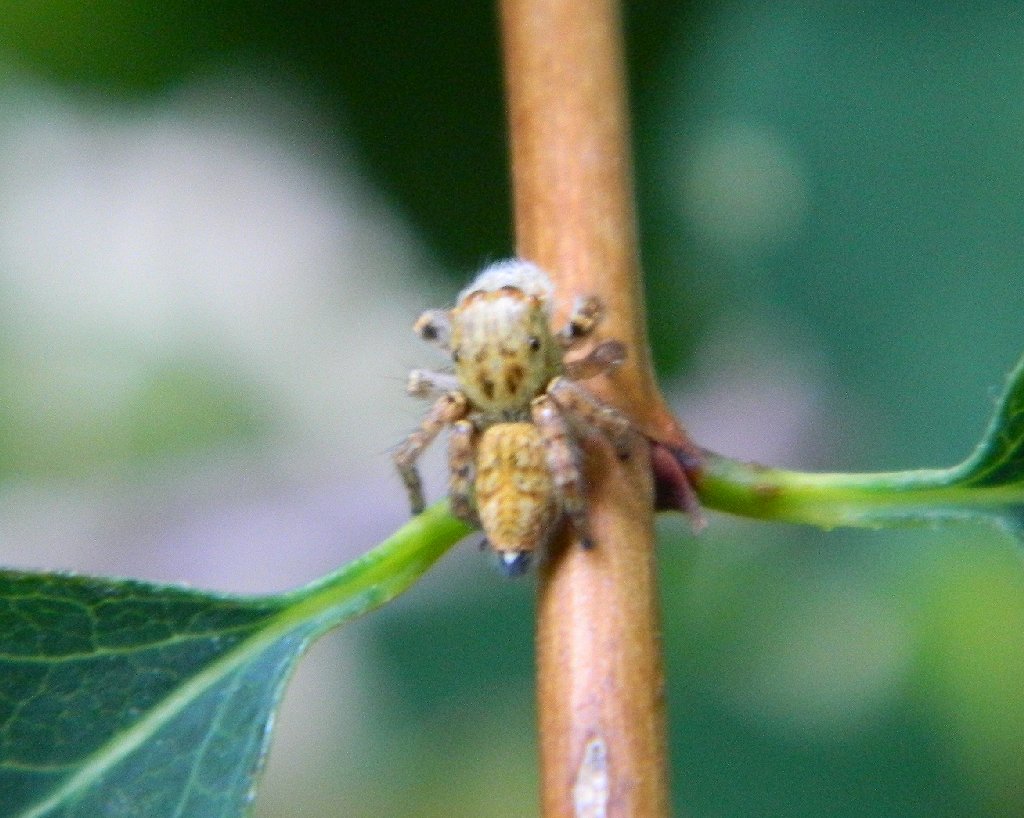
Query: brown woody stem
column 600, row 684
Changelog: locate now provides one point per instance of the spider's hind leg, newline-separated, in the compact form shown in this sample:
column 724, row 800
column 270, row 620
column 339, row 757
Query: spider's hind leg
column 562, row 461
column 461, row 470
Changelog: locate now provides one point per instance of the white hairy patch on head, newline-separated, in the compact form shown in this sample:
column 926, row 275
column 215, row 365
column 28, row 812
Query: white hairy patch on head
column 512, row 272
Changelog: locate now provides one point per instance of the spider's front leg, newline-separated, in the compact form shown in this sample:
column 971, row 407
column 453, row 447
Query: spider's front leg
column 430, row 385
column 448, row 408
column 560, row 452
column 602, row 359
column 462, row 470
column 586, row 314
column 434, row 327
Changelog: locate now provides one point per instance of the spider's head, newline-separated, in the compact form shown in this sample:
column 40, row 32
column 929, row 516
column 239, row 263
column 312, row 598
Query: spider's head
column 501, row 341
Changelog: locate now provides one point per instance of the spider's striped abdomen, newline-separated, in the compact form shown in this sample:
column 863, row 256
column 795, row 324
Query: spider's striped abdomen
column 515, row 493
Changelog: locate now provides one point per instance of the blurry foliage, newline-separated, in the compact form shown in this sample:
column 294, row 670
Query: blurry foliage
column 420, row 91
column 892, row 134
column 195, row 409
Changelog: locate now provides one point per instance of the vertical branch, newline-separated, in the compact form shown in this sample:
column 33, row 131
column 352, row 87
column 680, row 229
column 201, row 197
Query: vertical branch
column 600, row 684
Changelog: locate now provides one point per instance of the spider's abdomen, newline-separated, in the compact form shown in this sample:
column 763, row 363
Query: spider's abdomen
column 515, row 492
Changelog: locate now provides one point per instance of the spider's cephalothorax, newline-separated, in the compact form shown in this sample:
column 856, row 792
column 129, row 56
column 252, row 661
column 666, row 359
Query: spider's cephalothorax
column 513, row 407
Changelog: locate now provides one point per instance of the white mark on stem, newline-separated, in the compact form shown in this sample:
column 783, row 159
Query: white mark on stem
column 590, row 793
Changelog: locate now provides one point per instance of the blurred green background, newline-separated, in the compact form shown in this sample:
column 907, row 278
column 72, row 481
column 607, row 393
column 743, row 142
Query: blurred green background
column 218, row 220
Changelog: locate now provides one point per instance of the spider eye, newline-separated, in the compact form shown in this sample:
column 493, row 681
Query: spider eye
column 534, row 343
column 429, row 333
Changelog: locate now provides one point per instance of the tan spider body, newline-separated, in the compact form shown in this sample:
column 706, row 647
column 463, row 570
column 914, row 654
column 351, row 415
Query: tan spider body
column 513, row 407
column 514, row 492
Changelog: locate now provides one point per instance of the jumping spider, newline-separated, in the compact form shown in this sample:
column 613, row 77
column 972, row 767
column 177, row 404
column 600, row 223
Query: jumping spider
column 513, row 407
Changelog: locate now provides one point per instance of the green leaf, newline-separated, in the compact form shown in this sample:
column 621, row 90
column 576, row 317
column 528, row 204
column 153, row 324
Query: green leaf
column 999, row 459
column 988, row 485
column 121, row 698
